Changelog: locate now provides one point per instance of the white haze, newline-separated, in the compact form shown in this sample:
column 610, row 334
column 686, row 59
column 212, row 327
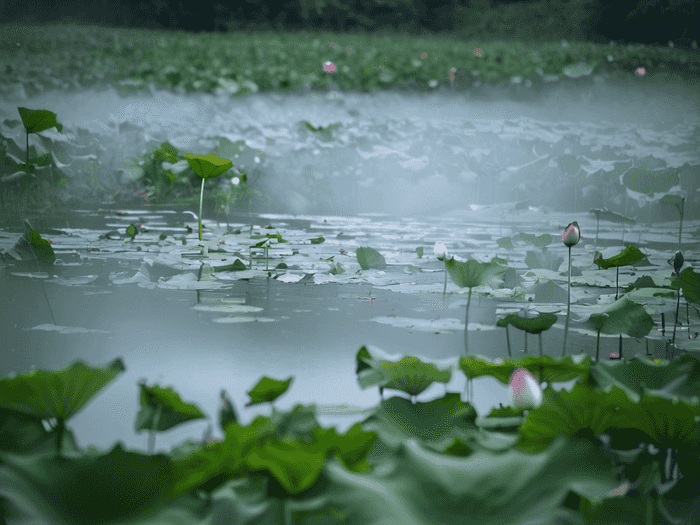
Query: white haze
column 394, row 152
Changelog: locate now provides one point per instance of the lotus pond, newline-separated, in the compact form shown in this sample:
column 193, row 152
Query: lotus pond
column 385, row 227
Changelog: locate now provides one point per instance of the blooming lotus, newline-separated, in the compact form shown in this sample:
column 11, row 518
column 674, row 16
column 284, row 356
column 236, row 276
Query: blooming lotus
column 440, row 251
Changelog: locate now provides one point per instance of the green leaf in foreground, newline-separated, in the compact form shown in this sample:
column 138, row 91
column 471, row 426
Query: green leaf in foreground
column 47, row 395
column 410, row 375
column 553, row 370
column 438, row 421
column 689, row 282
column 267, row 390
column 38, row 120
column 117, row 487
column 162, row 409
column 370, row 258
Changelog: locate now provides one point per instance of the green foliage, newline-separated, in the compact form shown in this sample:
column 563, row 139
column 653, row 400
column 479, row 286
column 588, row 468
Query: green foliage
column 398, row 449
column 370, row 258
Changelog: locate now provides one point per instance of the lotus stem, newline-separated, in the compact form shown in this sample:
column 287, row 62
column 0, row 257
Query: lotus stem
column 201, row 198
column 466, row 322
column 508, row 340
column 568, row 308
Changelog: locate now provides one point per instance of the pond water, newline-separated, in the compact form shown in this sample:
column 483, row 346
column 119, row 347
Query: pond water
column 402, row 173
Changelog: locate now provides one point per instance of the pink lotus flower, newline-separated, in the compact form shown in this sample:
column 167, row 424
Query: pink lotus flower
column 524, row 390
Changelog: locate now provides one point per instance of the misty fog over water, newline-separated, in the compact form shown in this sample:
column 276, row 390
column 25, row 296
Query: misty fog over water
column 400, row 152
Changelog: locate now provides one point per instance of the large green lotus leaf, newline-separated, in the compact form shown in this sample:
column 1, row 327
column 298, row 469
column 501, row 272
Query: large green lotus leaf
column 587, row 411
column 417, row 486
column 57, row 394
column 534, row 325
column 296, row 466
column 678, row 378
column 689, row 282
column 370, row 258
column 208, row 166
column 410, row 375
column 621, row 317
column 22, row 434
column 553, row 370
column 117, row 487
column 627, row 256
column 473, row 273
column 298, row 424
column 267, row 390
column 438, row 421
column 162, row 409
column 38, row 120
column 650, row 182
column 31, row 247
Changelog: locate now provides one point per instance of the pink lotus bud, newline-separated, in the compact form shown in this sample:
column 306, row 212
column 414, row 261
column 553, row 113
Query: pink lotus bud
column 572, row 234
column 524, row 389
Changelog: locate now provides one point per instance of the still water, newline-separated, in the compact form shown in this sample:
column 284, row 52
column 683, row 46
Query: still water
column 401, row 172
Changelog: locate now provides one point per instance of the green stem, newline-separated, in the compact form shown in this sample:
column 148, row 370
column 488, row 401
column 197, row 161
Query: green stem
column 466, row 322
column 568, row 308
column 26, row 169
column 152, row 433
column 445, row 288
column 508, row 340
column 680, row 230
column 201, row 199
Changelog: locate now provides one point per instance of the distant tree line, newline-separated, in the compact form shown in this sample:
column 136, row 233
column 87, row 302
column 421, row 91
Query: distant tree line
column 639, row 21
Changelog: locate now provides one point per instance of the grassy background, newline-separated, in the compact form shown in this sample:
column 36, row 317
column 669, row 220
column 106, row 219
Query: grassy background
column 40, row 57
